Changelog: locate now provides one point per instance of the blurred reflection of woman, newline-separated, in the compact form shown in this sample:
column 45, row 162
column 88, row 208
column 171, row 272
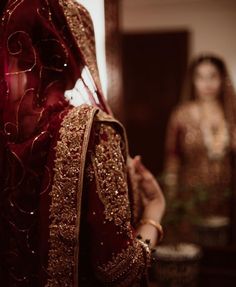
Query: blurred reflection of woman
column 200, row 141
column 68, row 216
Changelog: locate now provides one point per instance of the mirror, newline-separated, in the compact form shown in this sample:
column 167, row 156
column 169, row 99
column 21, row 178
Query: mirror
column 188, row 143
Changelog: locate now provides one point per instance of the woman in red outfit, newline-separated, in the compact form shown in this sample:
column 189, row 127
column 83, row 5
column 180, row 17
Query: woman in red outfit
column 200, row 150
column 69, row 215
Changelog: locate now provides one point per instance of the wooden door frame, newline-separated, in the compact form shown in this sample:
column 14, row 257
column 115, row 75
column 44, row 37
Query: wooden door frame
column 113, row 57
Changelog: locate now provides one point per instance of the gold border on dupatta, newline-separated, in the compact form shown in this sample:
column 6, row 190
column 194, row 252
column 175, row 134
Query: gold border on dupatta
column 81, row 27
column 66, row 195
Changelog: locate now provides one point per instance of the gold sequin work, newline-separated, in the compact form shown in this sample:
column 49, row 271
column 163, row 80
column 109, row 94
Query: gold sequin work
column 111, row 176
column 66, row 197
column 81, row 26
column 127, row 267
column 187, row 154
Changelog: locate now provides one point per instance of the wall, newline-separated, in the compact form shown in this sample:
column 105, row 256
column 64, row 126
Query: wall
column 212, row 23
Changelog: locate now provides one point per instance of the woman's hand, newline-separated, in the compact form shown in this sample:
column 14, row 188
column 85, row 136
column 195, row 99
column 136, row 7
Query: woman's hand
column 152, row 195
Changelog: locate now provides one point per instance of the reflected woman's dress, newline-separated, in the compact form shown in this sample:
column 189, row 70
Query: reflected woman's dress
column 199, row 158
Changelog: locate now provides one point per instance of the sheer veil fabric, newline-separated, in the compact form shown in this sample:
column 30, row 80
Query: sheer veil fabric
column 46, row 48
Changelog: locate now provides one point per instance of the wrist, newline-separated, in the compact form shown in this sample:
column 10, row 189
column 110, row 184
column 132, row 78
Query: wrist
column 154, row 224
column 148, row 233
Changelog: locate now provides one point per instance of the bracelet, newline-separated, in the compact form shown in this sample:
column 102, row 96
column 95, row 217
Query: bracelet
column 156, row 225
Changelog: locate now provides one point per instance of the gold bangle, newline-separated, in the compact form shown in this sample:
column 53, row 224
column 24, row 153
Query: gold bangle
column 154, row 224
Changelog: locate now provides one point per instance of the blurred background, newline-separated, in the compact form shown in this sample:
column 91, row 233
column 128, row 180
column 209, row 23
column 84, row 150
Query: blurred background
column 159, row 38
column 144, row 48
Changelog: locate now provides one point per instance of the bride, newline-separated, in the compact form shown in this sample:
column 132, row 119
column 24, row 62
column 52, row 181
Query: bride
column 75, row 209
column 200, row 144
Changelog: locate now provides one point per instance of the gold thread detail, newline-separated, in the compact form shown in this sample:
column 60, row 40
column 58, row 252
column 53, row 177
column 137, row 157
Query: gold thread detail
column 126, row 267
column 66, row 197
column 81, row 27
column 111, row 176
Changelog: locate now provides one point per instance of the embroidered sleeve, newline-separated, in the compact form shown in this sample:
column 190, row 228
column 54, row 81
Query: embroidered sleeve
column 126, row 267
column 111, row 182
column 119, row 259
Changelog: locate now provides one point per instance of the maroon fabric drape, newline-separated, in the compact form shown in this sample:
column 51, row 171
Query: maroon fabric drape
column 39, row 61
column 65, row 213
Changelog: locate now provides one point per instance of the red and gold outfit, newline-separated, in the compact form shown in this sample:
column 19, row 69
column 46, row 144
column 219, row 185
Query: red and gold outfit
column 66, row 206
column 198, row 177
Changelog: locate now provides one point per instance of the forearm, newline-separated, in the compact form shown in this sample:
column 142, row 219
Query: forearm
column 153, row 211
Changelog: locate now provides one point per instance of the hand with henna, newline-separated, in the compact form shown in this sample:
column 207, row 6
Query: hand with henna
column 153, row 199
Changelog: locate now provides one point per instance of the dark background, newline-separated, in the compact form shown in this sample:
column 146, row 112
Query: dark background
column 154, row 66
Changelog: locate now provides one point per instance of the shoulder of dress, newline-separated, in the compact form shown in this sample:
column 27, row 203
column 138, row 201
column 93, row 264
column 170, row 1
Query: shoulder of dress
column 104, row 118
column 87, row 115
column 83, row 112
column 183, row 111
column 77, row 118
column 99, row 115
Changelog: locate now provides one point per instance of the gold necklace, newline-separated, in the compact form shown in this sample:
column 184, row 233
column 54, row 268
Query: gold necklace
column 214, row 131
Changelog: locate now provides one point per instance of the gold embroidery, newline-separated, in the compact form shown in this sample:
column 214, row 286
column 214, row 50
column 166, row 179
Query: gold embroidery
column 127, row 267
column 89, row 172
column 15, row 37
column 109, row 163
column 81, row 26
column 11, row 9
column 106, row 118
column 110, row 173
column 66, row 197
column 194, row 167
column 111, row 176
column 45, row 9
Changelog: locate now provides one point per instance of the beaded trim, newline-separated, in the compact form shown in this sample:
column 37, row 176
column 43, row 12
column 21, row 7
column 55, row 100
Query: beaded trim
column 109, row 164
column 126, row 267
column 81, row 27
column 66, row 195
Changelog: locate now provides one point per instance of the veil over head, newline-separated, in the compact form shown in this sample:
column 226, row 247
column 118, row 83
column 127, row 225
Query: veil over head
column 43, row 56
column 47, row 47
column 227, row 95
